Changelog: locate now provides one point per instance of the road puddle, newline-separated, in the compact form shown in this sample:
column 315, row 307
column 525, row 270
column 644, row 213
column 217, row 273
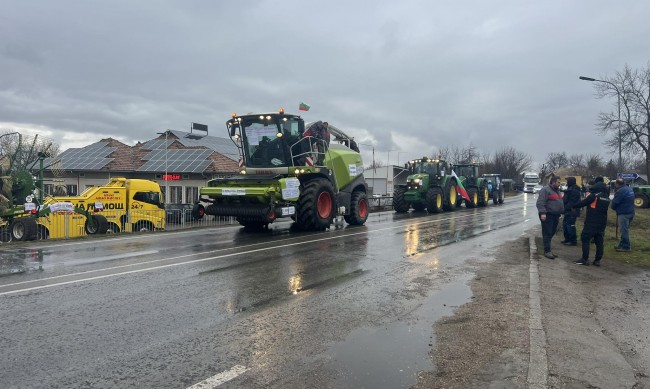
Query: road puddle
column 390, row 356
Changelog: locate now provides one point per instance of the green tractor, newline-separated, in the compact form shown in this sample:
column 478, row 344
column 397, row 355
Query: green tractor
column 428, row 186
column 495, row 187
column 641, row 196
column 285, row 172
column 475, row 185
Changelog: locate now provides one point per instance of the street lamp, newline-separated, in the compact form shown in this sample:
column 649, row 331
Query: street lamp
column 166, row 176
column 618, row 95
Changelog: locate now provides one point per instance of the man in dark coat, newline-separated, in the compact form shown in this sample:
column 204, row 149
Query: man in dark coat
column 572, row 197
column 623, row 204
column 597, row 203
column 550, row 207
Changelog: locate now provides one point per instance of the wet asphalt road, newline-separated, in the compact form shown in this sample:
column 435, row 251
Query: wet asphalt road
column 349, row 307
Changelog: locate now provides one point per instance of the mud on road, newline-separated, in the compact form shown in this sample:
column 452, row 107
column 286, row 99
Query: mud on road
column 596, row 321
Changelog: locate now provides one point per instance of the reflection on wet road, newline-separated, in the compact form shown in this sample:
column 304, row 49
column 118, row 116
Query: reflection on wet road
column 338, row 308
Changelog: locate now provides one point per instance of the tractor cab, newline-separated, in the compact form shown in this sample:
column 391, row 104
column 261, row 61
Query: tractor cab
column 467, row 170
column 433, row 167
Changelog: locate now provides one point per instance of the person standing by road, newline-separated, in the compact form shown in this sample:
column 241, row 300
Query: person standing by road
column 550, row 206
column 572, row 197
column 623, row 204
column 595, row 221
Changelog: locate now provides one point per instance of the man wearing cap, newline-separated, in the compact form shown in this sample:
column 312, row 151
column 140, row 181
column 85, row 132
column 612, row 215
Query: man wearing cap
column 623, row 204
column 550, row 207
column 597, row 203
column 571, row 198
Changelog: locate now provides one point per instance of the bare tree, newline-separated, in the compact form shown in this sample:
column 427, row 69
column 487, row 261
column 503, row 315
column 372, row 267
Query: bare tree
column 577, row 162
column 510, row 163
column 631, row 132
column 595, row 165
column 20, row 152
column 556, row 161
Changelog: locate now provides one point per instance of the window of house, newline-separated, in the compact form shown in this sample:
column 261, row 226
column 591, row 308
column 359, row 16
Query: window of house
column 191, row 194
column 175, row 194
column 48, row 189
column 71, row 189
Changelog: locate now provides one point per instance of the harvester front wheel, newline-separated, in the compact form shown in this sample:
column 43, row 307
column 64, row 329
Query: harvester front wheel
column 98, row 225
column 501, row 196
column 495, row 197
column 23, row 229
column 315, row 207
column 434, row 200
column 5, row 235
column 452, row 196
column 399, row 203
column 473, row 196
column 358, row 209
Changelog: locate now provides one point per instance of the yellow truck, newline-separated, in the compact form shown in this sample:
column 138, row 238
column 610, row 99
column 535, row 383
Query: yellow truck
column 122, row 205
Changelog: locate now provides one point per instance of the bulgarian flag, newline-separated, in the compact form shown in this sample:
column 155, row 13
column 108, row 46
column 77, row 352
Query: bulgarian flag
column 459, row 187
column 303, row 107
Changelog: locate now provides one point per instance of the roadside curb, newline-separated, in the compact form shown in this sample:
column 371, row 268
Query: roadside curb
column 538, row 363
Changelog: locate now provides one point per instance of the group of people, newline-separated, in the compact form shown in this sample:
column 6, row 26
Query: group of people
column 551, row 204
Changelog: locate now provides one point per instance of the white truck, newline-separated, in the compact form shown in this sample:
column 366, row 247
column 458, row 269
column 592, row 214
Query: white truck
column 530, row 180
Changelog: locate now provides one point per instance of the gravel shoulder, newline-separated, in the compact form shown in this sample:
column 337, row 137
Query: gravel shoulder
column 595, row 321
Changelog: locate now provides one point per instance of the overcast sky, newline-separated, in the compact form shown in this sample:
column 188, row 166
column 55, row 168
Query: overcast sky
column 407, row 76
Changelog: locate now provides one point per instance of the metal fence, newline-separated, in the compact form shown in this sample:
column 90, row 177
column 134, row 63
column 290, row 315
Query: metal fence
column 67, row 225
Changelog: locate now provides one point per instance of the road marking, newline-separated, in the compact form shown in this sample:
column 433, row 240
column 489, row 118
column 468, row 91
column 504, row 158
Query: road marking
column 538, row 363
column 220, row 378
column 344, row 235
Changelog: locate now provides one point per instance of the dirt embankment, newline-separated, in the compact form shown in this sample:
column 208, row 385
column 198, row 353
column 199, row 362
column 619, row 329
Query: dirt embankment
column 595, row 320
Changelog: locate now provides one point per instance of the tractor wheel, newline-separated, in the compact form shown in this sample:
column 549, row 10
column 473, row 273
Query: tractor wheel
column 99, row 225
column 23, row 229
column 198, row 212
column 316, row 206
column 495, row 197
column 452, row 196
column 641, row 200
column 501, row 196
column 399, row 203
column 434, row 200
column 484, row 195
column 473, row 196
column 358, row 209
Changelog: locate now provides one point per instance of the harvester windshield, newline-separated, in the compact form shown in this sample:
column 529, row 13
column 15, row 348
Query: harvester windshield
column 266, row 139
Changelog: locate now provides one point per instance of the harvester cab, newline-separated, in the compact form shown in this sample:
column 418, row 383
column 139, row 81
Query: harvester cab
column 288, row 169
column 428, row 186
column 474, row 184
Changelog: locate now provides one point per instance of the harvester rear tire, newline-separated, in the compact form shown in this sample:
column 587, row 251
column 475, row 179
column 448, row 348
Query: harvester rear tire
column 473, row 196
column 358, row 209
column 198, row 211
column 98, row 226
column 23, row 229
column 434, row 200
column 452, row 196
column 316, row 205
column 399, row 203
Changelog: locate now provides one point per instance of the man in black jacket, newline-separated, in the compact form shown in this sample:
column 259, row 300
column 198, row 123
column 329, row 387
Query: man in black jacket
column 571, row 198
column 597, row 203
